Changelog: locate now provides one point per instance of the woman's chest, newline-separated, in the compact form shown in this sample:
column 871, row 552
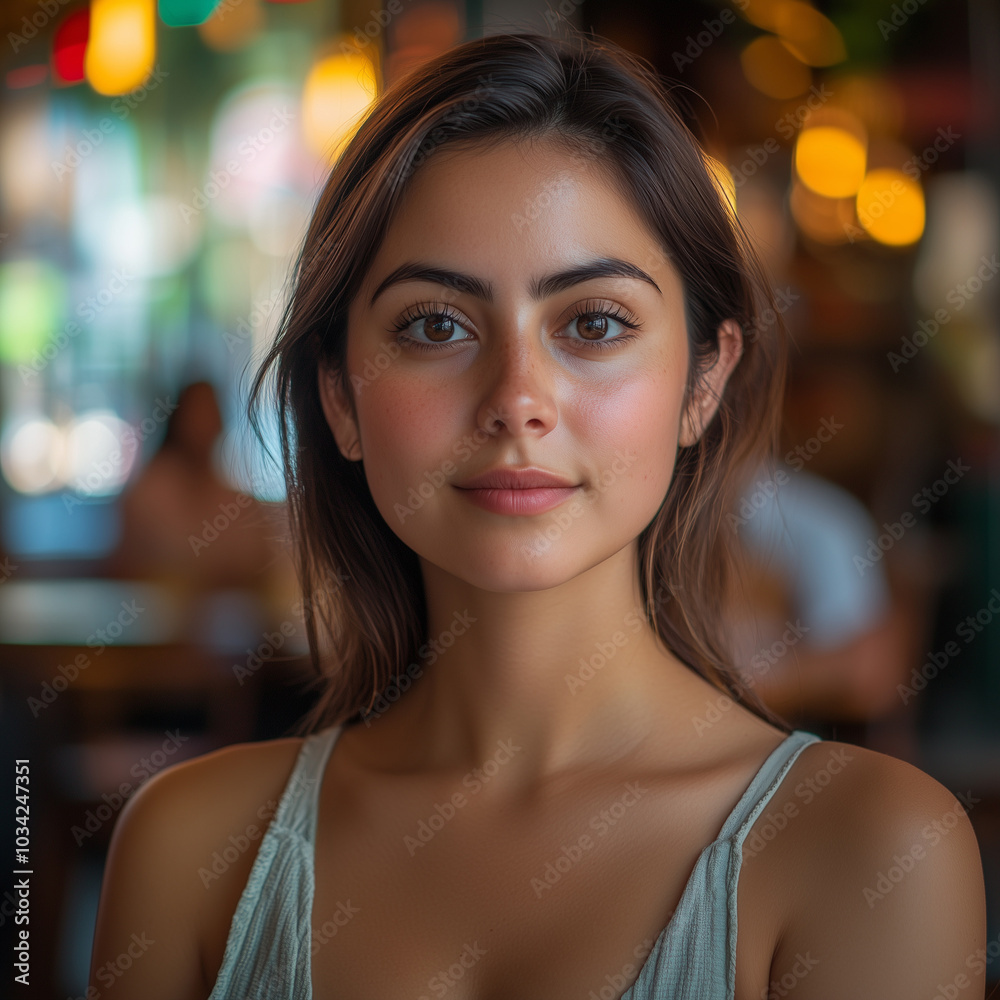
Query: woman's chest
column 432, row 894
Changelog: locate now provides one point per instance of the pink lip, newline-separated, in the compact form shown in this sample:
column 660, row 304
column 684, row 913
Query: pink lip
column 508, row 478
column 519, row 501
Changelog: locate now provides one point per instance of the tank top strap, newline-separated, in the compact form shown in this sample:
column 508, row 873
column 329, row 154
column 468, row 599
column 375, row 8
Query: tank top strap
column 299, row 803
column 764, row 785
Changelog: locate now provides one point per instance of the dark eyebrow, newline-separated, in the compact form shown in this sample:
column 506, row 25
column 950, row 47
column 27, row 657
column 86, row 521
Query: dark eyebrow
column 541, row 288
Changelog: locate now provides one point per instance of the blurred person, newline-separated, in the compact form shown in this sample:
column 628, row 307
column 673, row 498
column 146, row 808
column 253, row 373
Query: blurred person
column 181, row 523
column 512, row 530
column 825, row 637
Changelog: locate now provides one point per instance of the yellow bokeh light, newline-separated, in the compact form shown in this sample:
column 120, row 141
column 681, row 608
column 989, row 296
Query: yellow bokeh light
column 809, row 35
column 338, row 92
column 890, row 206
column 830, row 160
column 121, row 48
column 773, row 70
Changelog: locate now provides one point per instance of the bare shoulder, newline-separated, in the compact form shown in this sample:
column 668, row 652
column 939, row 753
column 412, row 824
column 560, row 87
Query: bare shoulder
column 188, row 802
column 881, row 876
column 179, row 857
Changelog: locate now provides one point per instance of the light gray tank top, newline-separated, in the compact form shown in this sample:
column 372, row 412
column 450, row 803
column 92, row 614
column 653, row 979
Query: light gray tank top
column 268, row 953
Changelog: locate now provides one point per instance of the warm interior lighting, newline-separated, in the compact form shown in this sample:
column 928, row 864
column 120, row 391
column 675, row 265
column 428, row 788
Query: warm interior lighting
column 890, row 206
column 122, row 45
column 830, row 160
column 337, row 93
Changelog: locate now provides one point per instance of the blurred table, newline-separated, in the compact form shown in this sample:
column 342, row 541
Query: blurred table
column 104, row 683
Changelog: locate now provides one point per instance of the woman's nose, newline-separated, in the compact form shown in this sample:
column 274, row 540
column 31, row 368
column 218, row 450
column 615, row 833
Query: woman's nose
column 520, row 385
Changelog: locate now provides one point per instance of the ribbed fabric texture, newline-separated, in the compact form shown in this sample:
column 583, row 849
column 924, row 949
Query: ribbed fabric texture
column 267, row 953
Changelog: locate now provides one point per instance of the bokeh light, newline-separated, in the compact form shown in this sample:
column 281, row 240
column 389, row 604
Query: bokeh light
column 122, row 45
column 830, row 160
column 890, row 206
column 337, row 93
column 808, row 34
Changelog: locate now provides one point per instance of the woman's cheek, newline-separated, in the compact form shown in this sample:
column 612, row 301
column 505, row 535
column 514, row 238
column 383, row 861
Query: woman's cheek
column 406, row 430
column 638, row 429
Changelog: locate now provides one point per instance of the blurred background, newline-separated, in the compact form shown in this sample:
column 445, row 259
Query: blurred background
column 158, row 164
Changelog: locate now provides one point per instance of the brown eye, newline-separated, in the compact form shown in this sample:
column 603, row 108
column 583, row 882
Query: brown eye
column 437, row 324
column 438, row 329
column 592, row 326
column 595, row 323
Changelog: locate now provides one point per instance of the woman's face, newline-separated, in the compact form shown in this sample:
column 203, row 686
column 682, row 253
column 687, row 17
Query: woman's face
column 581, row 378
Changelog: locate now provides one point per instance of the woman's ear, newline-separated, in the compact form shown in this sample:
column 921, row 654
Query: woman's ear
column 705, row 399
column 338, row 413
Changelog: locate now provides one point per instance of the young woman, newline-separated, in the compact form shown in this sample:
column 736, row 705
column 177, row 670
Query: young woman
column 519, row 400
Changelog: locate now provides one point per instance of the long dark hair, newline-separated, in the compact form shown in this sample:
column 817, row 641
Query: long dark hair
column 359, row 582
